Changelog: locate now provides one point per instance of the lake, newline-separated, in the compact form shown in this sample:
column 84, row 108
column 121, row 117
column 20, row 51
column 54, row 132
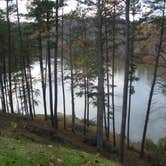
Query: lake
column 157, row 124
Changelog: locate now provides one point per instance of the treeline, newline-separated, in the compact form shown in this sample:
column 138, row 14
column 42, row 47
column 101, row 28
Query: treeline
column 88, row 46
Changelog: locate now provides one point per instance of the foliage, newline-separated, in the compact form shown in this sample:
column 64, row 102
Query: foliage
column 149, row 144
column 13, row 125
column 161, row 144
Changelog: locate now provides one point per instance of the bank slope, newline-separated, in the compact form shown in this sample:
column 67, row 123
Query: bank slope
column 25, row 153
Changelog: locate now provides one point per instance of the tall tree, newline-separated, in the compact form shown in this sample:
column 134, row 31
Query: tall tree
column 72, row 79
column 113, row 71
column 36, row 11
column 42, row 74
column 62, row 66
column 157, row 5
column 2, row 92
column 107, row 59
column 2, row 59
column 132, row 66
column 49, row 68
column 9, row 56
column 125, row 88
column 100, row 98
column 55, row 65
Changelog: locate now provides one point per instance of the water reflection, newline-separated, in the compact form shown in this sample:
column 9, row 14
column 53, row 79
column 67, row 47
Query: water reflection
column 157, row 123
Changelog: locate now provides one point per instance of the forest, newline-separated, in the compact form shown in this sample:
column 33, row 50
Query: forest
column 83, row 85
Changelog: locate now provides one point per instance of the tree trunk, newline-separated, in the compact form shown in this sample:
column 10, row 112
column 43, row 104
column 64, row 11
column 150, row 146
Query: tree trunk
column 131, row 76
column 108, row 83
column 85, row 104
column 125, row 89
column 9, row 58
column 5, row 84
column 87, row 118
column 49, row 74
column 31, row 87
column 113, row 82
column 42, row 75
column 62, row 71
column 55, row 68
column 100, row 99
column 2, row 93
column 28, row 91
column 72, row 83
column 129, row 111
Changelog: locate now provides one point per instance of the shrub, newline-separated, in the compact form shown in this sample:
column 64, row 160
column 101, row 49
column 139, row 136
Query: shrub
column 149, row 145
column 161, row 144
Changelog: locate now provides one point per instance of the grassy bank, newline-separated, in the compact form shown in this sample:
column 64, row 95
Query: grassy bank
column 21, row 147
column 22, row 152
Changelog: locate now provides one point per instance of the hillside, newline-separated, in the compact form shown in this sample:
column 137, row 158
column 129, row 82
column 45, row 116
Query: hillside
column 19, row 147
column 27, row 143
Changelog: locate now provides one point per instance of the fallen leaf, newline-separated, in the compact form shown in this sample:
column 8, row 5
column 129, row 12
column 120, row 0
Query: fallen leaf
column 59, row 160
column 50, row 146
column 98, row 154
column 51, row 164
column 87, row 163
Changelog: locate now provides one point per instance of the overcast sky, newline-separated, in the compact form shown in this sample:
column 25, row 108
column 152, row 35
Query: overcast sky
column 22, row 5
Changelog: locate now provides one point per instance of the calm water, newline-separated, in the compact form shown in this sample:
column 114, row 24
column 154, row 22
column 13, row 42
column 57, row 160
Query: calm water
column 157, row 124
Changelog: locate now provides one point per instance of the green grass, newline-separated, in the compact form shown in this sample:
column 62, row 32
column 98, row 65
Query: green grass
column 24, row 153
